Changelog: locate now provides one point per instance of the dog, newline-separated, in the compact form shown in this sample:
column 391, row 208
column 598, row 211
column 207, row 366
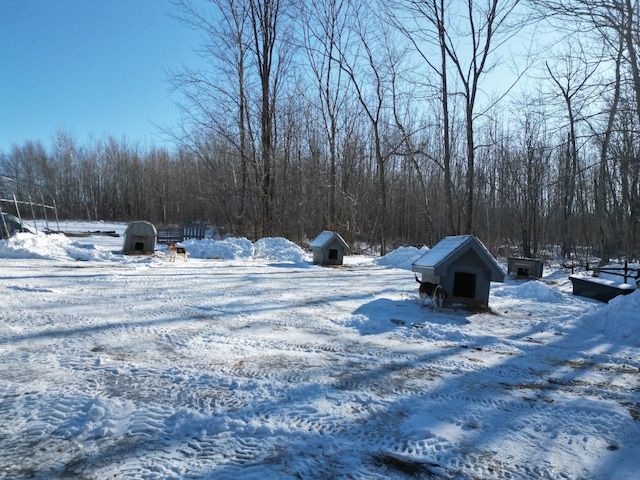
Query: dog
column 174, row 251
column 436, row 293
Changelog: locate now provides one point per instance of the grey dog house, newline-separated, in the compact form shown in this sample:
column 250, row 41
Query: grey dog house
column 139, row 239
column 463, row 266
column 328, row 248
column 525, row 267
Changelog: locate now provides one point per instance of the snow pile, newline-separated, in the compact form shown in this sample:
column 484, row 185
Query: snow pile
column 279, row 249
column 227, row 249
column 56, row 246
column 60, row 247
column 532, row 290
column 617, row 320
column 276, row 249
column 401, row 257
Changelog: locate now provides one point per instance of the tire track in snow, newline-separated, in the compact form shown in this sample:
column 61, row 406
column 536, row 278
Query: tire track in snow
column 222, row 371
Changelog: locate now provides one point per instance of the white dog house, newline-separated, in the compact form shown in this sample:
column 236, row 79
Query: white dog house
column 328, row 248
column 139, row 239
column 463, row 266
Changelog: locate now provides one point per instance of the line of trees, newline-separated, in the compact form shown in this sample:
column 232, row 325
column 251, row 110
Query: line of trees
column 388, row 123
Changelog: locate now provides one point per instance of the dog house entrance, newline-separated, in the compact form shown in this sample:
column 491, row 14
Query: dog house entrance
column 464, row 285
column 138, row 247
column 333, row 254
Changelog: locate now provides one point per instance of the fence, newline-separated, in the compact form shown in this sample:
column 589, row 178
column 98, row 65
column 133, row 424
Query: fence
column 625, row 271
column 178, row 234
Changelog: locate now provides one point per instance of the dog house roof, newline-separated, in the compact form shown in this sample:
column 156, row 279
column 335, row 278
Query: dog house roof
column 450, row 249
column 325, row 238
column 141, row 228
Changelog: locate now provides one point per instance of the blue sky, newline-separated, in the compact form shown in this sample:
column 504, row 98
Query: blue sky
column 90, row 68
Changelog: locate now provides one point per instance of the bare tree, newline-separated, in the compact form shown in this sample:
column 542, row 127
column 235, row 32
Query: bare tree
column 265, row 16
column 605, row 142
column 615, row 24
column 526, row 169
column 571, row 77
column 246, row 41
column 216, row 102
column 409, row 17
column 605, row 20
column 324, row 25
column 483, row 29
column 367, row 62
column 466, row 37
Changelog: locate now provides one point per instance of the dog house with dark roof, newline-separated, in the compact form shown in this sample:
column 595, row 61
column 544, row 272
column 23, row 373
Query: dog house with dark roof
column 139, row 239
column 463, row 266
column 328, row 248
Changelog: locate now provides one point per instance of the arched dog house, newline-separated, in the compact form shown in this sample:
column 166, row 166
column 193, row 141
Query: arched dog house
column 328, row 248
column 139, row 239
column 463, row 266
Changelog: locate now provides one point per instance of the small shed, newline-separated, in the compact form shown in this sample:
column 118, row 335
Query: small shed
column 524, row 267
column 328, row 248
column 139, row 239
column 463, row 266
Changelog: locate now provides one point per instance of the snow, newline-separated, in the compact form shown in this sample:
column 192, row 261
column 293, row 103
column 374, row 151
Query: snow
column 321, row 240
column 606, row 281
column 402, row 257
column 248, row 361
column 442, row 250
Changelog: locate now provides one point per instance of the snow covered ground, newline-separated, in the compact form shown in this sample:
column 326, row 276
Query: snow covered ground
column 249, row 362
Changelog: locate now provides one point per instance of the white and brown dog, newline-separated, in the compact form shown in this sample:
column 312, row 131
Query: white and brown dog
column 174, row 251
column 436, row 293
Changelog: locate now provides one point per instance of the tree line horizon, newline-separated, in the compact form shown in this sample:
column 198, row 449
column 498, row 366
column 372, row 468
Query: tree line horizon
column 383, row 122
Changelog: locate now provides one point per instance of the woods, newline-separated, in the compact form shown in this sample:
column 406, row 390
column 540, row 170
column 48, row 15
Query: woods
column 392, row 124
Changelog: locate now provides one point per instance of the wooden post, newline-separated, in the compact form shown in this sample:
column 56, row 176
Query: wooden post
column 626, row 269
